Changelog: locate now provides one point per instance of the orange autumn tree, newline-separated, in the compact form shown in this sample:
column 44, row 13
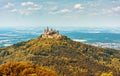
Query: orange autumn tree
column 24, row 69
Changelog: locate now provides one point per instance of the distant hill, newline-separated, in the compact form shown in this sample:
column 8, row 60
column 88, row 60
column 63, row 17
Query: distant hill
column 65, row 56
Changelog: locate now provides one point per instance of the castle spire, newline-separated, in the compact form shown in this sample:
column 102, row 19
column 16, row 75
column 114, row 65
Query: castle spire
column 47, row 28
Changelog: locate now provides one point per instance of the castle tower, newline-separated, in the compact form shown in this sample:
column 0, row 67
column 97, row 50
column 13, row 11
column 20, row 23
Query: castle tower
column 47, row 28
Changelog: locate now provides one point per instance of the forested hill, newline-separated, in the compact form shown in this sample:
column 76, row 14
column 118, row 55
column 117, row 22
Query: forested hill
column 65, row 56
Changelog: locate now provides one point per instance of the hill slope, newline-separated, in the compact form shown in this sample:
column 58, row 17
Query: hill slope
column 65, row 56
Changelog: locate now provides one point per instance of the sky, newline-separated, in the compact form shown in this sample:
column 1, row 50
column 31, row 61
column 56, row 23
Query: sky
column 60, row 13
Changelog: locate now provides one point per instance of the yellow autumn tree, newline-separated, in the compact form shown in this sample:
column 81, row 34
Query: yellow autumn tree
column 24, row 69
column 107, row 74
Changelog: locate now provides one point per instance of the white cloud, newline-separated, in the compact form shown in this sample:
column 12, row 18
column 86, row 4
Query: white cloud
column 78, row 6
column 106, row 11
column 29, row 8
column 113, row 11
column 33, row 8
column 94, row 5
column 19, row 11
column 65, row 11
column 53, row 8
column 27, row 3
column 117, row 9
column 110, row 12
column 25, row 11
column 94, row 13
column 61, row 11
column 14, row 10
column 8, row 5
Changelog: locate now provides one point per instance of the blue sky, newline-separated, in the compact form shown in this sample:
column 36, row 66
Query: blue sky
column 60, row 13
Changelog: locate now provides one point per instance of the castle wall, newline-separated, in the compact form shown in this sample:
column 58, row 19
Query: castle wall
column 51, row 34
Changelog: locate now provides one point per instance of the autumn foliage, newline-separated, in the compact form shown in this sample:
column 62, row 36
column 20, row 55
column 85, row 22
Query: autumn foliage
column 63, row 55
column 24, row 69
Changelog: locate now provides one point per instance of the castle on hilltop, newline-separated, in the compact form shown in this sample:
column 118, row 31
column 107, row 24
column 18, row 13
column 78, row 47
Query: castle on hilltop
column 50, row 33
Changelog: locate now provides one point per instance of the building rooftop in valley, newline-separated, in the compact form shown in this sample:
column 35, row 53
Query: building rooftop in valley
column 50, row 33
